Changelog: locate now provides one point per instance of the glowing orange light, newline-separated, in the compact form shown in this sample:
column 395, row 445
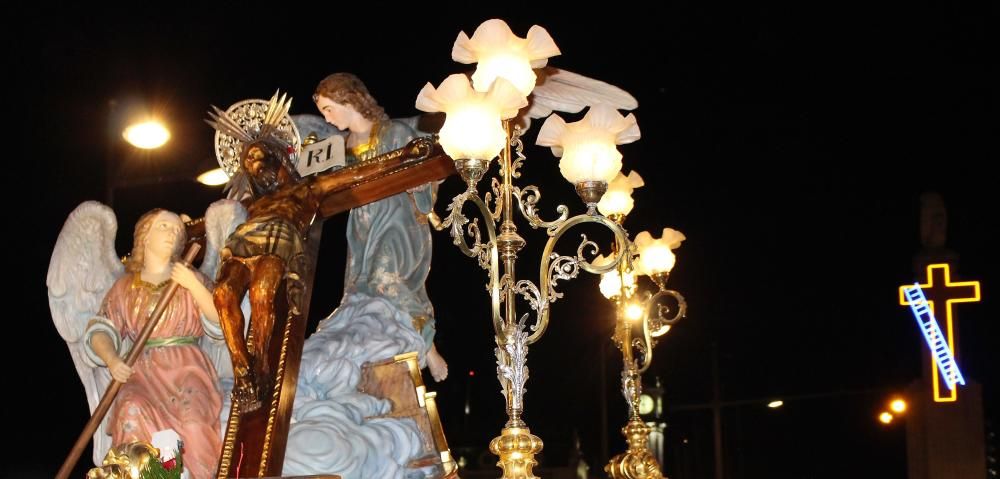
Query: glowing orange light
column 214, row 177
column 147, row 135
column 885, row 418
column 898, row 406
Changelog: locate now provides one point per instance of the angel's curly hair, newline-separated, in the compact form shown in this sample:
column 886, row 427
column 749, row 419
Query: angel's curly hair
column 348, row 89
column 134, row 262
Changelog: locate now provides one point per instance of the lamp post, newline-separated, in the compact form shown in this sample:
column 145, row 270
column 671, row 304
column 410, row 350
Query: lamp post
column 148, row 134
column 644, row 312
column 478, row 128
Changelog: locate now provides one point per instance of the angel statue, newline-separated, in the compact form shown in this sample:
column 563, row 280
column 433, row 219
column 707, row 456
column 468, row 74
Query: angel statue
column 385, row 311
column 99, row 306
column 389, row 241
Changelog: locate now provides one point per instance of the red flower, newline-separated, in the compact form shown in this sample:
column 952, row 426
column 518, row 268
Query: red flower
column 170, row 464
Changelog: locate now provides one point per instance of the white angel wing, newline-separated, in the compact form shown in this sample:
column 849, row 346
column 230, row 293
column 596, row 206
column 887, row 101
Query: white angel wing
column 221, row 219
column 561, row 90
column 425, row 124
column 83, row 267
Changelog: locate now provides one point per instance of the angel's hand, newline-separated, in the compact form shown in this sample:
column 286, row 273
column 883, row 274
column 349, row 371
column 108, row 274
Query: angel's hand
column 119, row 370
column 184, row 276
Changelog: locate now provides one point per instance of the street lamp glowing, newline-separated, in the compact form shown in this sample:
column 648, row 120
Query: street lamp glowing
column 776, row 404
column 147, row 135
column 885, row 418
column 898, row 406
column 214, row 177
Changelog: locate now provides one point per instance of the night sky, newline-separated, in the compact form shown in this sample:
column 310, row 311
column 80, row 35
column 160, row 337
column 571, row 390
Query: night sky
column 789, row 143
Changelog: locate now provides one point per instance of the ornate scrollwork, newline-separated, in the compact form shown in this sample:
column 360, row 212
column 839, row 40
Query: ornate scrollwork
column 505, row 285
column 663, row 319
column 527, row 200
column 561, row 267
column 581, row 255
column 656, row 326
column 497, row 203
column 530, row 293
column 556, row 267
column 486, row 254
column 458, row 221
column 517, row 146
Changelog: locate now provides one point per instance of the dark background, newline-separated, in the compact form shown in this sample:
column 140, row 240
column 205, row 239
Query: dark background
column 790, row 143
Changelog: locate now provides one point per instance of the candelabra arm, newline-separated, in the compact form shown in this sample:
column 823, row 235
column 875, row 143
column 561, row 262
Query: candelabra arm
column 656, row 323
column 527, row 200
column 555, row 267
column 486, row 253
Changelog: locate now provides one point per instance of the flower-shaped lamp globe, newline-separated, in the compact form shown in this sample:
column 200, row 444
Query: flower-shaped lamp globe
column 501, row 54
column 656, row 256
column 587, row 148
column 611, row 284
column 617, row 202
column 472, row 133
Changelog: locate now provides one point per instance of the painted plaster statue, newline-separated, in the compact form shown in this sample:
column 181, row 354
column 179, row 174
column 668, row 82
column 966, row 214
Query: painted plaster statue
column 99, row 306
column 389, row 241
column 384, row 312
column 268, row 248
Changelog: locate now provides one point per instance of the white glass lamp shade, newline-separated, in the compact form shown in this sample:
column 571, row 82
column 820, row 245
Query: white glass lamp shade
column 472, row 128
column 501, row 54
column 611, row 285
column 587, row 148
column 656, row 255
column 611, row 282
column 618, row 199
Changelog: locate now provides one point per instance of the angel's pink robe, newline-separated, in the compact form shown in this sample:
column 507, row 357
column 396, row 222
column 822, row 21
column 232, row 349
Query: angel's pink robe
column 172, row 386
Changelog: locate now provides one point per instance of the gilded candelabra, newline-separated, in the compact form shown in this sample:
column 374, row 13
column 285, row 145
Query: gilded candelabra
column 634, row 310
column 479, row 127
column 516, row 446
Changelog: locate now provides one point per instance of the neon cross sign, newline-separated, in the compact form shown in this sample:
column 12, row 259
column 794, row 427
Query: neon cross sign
column 940, row 289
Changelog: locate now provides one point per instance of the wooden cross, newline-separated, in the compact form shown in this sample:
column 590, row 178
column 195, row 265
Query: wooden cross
column 940, row 289
column 254, row 444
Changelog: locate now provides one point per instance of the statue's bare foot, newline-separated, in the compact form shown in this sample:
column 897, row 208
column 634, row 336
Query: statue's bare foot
column 265, row 386
column 245, row 394
column 439, row 368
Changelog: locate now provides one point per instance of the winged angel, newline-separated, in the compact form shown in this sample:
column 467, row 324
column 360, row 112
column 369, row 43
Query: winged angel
column 99, row 304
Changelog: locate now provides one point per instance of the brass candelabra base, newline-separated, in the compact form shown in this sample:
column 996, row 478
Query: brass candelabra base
column 638, row 462
column 516, row 447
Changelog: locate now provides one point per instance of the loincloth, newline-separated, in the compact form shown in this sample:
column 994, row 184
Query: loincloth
column 268, row 235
